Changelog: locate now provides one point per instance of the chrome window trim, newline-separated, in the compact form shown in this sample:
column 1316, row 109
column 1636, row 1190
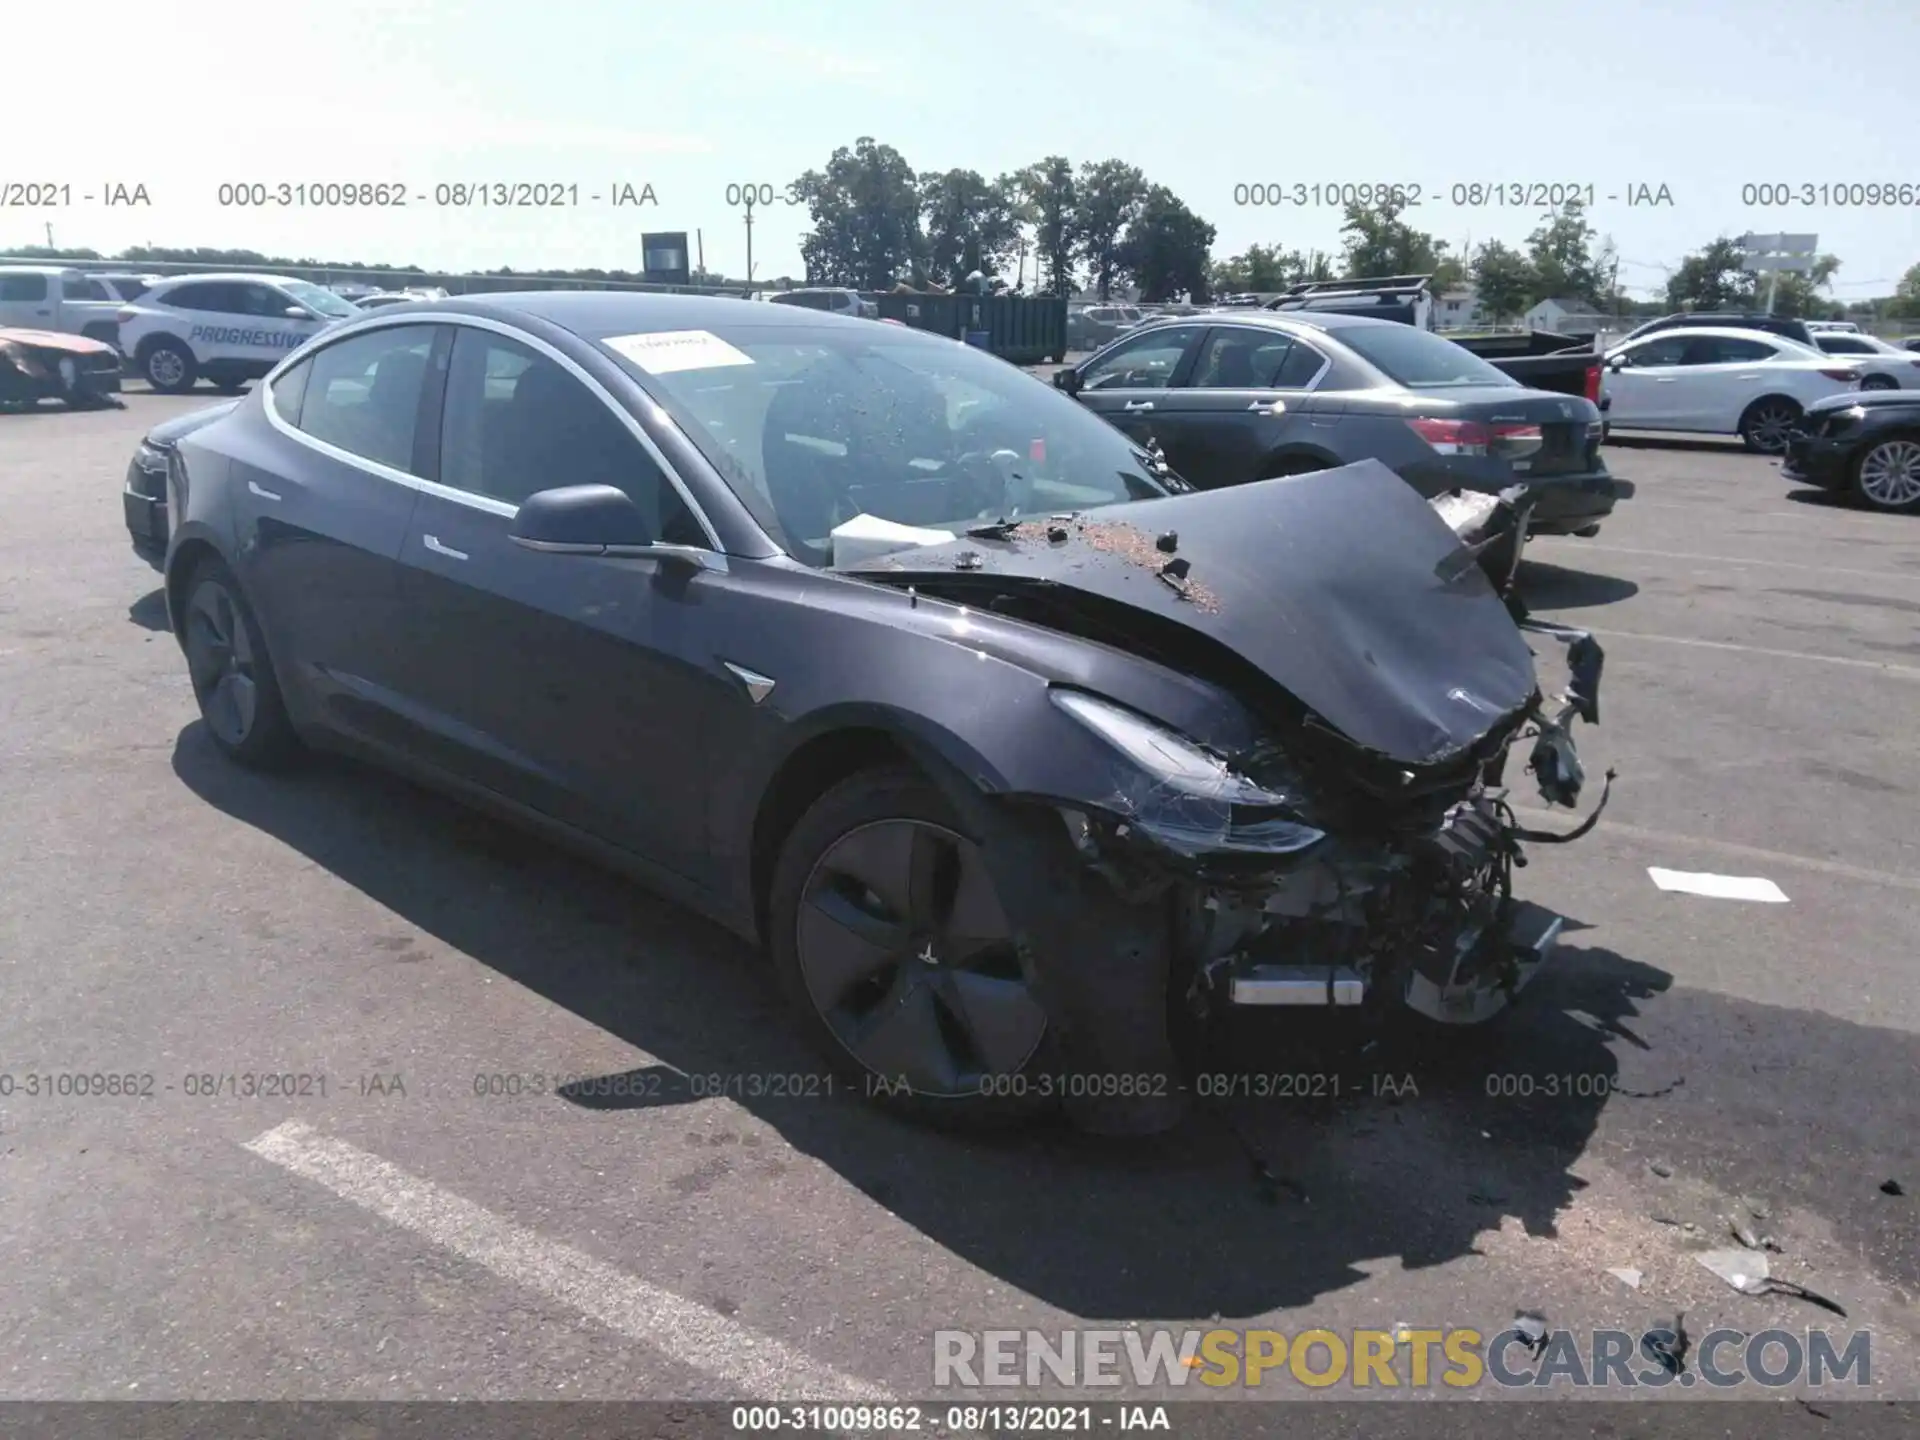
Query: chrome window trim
column 352, row 329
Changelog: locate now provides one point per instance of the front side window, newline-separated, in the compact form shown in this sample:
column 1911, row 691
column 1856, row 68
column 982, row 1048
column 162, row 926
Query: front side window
column 517, row 423
column 85, row 288
column 813, row 429
column 363, row 394
column 1144, row 362
column 1667, row 350
column 317, row 298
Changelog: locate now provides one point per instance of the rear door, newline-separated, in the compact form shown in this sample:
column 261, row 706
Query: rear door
column 1721, row 375
column 1239, row 404
column 26, row 301
column 1645, row 390
column 323, row 515
column 574, row 685
column 1128, row 383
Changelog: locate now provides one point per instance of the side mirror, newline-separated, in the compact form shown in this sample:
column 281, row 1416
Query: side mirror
column 298, row 312
column 1617, row 364
column 581, row 520
column 1067, row 380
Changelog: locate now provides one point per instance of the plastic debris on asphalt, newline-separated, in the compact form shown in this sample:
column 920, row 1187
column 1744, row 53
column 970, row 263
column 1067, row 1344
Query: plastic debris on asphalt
column 1719, row 887
column 1627, row 1276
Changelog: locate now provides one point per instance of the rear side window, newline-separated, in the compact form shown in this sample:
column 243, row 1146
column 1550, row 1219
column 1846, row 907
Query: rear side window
column 1725, row 350
column 363, row 395
column 1419, row 359
column 204, row 295
column 23, row 287
column 516, row 423
column 1844, row 345
column 288, row 390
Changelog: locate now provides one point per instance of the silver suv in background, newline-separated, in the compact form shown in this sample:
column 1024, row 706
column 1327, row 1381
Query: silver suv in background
column 833, row 299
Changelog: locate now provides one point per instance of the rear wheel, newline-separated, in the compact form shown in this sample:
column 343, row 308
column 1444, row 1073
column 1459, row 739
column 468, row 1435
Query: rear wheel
column 232, row 674
column 1887, row 475
column 889, row 938
column 1879, row 382
column 1767, row 424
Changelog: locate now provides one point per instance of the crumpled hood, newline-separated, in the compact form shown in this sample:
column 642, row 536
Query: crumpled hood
column 52, row 340
column 1343, row 586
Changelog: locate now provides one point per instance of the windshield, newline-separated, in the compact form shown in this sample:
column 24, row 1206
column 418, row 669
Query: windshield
column 1418, row 359
column 812, row 428
column 321, row 302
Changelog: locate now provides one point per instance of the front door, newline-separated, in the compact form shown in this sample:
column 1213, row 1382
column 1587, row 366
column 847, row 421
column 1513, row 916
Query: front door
column 572, row 684
column 1127, row 384
column 1646, row 389
column 1240, row 404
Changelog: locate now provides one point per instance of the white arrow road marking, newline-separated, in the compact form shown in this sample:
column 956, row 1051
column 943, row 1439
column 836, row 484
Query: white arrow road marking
column 1719, row 887
column 748, row 1362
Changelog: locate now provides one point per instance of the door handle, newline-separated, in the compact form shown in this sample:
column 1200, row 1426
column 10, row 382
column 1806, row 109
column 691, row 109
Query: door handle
column 432, row 543
column 254, row 489
column 1665, row 379
column 1268, row 407
column 1139, row 404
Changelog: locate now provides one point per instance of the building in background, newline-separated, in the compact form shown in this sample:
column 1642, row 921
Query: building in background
column 1567, row 317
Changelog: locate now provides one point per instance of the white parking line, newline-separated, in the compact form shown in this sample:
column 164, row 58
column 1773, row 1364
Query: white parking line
column 1718, row 887
column 1557, row 819
column 1885, row 667
column 749, row 1363
column 1908, row 577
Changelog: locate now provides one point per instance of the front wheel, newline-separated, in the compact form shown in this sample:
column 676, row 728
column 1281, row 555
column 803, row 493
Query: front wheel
column 233, row 676
column 888, row 936
column 169, row 367
column 1887, row 476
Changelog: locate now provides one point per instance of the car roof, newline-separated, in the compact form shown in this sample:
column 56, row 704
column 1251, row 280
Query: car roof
column 1281, row 320
column 596, row 314
column 226, row 276
column 37, row 270
column 1724, row 332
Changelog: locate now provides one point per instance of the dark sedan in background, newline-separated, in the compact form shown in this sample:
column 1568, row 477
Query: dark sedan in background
column 1242, row 397
column 1867, row 444
column 880, row 651
column 144, row 498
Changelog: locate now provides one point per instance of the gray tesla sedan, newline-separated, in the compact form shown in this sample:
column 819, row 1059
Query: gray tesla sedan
column 996, row 734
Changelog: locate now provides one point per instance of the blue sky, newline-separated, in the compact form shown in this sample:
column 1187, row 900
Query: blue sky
column 1701, row 96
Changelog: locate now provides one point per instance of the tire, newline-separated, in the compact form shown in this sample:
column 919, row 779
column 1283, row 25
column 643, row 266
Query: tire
column 169, row 367
column 232, row 674
column 1763, row 428
column 1879, row 382
column 890, row 830
column 1887, row 475
column 230, row 387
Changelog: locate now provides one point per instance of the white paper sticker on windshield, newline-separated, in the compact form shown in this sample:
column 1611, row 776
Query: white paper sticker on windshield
column 666, row 351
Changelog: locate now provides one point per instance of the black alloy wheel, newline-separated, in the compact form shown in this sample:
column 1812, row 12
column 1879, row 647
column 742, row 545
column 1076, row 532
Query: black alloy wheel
column 891, row 938
column 232, row 677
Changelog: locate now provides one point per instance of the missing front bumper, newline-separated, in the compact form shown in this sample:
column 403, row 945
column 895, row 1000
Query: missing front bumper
column 1469, row 982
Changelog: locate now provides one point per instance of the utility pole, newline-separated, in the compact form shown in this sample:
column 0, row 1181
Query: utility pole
column 749, row 213
column 50, row 235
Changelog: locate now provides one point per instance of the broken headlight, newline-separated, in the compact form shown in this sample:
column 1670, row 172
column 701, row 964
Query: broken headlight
column 1183, row 795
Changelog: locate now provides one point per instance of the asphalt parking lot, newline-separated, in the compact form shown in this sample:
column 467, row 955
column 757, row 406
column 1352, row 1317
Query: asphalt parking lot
column 418, row 1215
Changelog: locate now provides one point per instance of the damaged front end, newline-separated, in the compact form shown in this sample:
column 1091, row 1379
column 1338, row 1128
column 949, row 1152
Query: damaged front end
column 1356, row 847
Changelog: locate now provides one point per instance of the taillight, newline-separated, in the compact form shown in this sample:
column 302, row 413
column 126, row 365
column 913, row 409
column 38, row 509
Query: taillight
column 1593, row 383
column 1841, row 374
column 1453, row 437
column 122, row 317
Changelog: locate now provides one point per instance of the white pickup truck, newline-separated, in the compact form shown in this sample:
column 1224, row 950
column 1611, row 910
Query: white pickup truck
column 51, row 297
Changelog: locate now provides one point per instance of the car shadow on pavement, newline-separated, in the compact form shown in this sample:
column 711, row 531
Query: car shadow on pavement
column 150, row 610
column 1711, row 445
column 1554, row 587
column 1323, row 1158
